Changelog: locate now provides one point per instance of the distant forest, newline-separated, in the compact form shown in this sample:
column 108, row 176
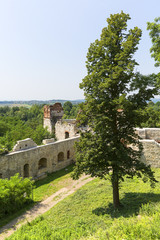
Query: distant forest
column 39, row 102
column 17, row 123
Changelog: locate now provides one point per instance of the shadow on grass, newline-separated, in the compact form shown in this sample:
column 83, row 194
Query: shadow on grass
column 130, row 204
column 10, row 220
column 53, row 176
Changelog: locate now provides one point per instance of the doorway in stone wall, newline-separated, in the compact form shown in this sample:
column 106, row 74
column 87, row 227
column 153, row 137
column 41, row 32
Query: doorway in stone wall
column 60, row 157
column 26, row 171
column 42, row 163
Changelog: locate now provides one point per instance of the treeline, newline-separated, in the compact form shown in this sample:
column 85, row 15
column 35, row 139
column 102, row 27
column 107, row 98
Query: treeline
column 18, row 123
column 32, row 102
column 15, row 193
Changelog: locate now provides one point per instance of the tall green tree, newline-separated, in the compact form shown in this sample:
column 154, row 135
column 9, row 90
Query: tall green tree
column 115, row 97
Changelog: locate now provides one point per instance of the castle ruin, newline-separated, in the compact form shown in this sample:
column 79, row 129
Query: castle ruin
column 30, row 160
column 63, row 128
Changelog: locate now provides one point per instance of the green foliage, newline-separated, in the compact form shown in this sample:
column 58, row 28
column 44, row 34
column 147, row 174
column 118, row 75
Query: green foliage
column 52, row 183
column 152, row 115
column 70, row 110
column 18, row 123
column 14, row 194
column 154, row 32
column 3, row 150
column 115, row 98
column 89, row 214
column 43, row 189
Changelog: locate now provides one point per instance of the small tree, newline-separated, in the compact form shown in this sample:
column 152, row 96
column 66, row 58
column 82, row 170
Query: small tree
column 115, row 97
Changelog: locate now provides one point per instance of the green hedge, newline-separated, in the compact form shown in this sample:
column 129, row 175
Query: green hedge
column 14, row 194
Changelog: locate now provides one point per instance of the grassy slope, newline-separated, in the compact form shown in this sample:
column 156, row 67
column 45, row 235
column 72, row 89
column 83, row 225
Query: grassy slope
column 43, row 189
column 89, row 214
column 54, row 182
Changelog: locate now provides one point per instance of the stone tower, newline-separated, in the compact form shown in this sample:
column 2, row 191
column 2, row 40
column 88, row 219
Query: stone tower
column 52, row 114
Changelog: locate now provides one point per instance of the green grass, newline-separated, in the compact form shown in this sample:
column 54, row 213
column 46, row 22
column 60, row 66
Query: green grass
column 51, row 184
column 89, row 214
column 43, row 189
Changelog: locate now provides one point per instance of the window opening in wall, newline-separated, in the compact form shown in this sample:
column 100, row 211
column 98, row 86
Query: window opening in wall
column 26, row 170
column 66, row 135
column 68, row 154
column 60, row 157
column 42, row 163
column 0, row 175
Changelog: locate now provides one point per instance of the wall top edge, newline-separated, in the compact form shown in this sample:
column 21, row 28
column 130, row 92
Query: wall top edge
column 43, row 146
column 147, row 129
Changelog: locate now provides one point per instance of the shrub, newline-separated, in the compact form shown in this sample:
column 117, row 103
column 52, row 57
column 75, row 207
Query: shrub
column 14, row 194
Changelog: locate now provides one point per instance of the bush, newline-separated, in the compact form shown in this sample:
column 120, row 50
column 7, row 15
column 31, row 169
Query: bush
column 14, row 194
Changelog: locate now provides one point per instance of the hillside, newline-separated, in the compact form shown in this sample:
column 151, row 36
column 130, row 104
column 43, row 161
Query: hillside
column 89, row 214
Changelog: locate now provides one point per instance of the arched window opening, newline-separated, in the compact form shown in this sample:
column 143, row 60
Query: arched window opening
column 68, row 154
column 42, row 163
column 26, row 171
column 66, row 135
column 60, row 157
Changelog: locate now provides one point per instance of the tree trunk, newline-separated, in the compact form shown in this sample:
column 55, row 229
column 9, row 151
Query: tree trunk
column 115, row 185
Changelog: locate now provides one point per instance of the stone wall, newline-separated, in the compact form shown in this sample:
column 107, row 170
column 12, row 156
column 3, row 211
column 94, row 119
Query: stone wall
column 48, row 140
column 66, row 128
column 151, row 153
column 149, row 133
column 48, row 123
column 36, row 162
column 52, row 114
column 24, row 144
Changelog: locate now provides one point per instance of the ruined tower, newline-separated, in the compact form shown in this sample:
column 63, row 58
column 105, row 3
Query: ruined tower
column 52, row 114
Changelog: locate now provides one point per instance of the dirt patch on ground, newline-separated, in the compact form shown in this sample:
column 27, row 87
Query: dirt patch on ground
column 43, row 206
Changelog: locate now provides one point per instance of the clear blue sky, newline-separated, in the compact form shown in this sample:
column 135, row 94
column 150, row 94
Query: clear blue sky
column 43, row 43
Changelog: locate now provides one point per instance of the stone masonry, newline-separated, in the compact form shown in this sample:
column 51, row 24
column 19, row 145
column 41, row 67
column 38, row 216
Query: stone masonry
column 37, row 161
column 24, row 144
column 151, row 147
column 30, row 160
column 63, row 128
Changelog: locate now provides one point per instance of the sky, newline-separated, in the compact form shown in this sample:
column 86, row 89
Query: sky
column 44, row 43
